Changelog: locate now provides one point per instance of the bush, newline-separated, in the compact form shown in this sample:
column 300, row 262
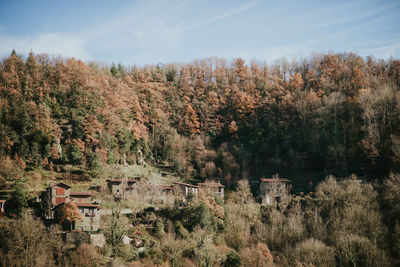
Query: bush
column 258, row 255
column 85, row 255
column 232, row 260
column 355, row 250
column 313, row 252
column 237, row 229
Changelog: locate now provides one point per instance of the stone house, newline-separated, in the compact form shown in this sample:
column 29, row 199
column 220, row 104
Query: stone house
column 121, row 187
column 274, row 190
column 53, row 196
column 154, row 193
column 185, row 189
column 90, row 217
column 81, row 197
column 214, row 187
column 90, row 214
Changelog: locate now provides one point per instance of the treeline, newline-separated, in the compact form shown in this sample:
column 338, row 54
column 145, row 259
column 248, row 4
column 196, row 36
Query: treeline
column 330, row 114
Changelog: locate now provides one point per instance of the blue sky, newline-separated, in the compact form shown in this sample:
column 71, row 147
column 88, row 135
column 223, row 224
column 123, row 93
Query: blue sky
column 152, row 32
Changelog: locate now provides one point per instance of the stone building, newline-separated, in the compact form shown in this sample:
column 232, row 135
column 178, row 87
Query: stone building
column 274, row 190
column 90, row 217
column 214, row 187
column 120, row 188
column 185, row 189
column 54, row 198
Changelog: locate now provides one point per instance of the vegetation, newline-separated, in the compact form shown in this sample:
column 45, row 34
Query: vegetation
column 333, row 114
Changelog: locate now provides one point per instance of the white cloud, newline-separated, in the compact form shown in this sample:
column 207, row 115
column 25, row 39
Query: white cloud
column 50, row 43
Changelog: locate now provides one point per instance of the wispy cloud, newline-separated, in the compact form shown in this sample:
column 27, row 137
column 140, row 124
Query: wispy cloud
column 385, row 51
column 146, row 32
column 51, row 43
column 223, row 14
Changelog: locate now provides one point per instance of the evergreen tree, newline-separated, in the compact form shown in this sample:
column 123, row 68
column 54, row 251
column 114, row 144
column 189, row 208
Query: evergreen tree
column 18, row 201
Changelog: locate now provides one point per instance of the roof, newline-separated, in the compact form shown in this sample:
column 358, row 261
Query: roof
column 87, row 205
column 274, row 180
column 185, row 184
column 165, row 187
column 80, row 194
column 211, row 184
column 120, row 180
column 60, row 185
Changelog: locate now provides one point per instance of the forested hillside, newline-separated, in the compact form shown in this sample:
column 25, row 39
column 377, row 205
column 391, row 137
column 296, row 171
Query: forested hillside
column 63, row 120
column 329, row 114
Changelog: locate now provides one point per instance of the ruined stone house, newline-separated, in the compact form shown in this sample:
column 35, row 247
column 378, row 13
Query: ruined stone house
column 185, row 189
column 121, row 188
column 213, row 187
column 274, row 190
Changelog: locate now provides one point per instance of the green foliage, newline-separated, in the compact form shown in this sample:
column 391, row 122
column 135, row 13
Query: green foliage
column 159, row 229
column 93, row 163
column 180, row 230
column 195, row 214
column 18, row 201
column 232, row 260
column 75, row 155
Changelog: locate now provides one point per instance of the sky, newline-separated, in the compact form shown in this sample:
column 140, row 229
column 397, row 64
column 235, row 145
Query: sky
column 179, row 31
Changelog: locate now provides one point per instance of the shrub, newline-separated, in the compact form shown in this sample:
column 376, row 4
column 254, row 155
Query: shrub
column 315, row 252
column 355, row 250
column 85, row 255
column 232, row 260
column 237, row 229
column 258, row 255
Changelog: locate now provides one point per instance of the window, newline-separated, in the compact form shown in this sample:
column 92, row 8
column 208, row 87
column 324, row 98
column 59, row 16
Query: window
column 60, row 200
column 60, row 191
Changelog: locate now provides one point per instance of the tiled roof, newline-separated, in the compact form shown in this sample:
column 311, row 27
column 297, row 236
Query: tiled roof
column 120, row 181
column 213, row 184
column 88, row 205
column 190, row 185
column 80, row 194
column 61, row 185
column 274, row 180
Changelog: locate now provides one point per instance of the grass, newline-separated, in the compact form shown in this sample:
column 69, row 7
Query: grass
column 38, row 179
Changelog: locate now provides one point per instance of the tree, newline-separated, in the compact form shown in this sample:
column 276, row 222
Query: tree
column 114, row 230
column 25, row 241
column 18, row 201
column 70, row 213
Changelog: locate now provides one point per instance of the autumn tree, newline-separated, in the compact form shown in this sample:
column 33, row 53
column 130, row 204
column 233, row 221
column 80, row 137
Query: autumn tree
column 70, row 213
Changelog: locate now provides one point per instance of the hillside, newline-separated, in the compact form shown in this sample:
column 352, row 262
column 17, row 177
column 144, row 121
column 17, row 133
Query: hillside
column 331, row 114
column 108, row 143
